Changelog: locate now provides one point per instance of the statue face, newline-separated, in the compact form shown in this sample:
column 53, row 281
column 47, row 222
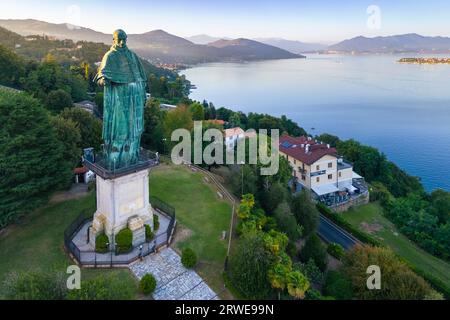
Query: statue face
column 120, row 38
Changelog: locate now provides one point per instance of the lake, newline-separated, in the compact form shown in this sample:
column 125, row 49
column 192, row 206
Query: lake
column 402, row 109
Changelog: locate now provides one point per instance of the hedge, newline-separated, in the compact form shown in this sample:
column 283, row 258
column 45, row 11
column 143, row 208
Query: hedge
column 101, row 243
column 149, row 235
column 155, row 222
column 124, row 241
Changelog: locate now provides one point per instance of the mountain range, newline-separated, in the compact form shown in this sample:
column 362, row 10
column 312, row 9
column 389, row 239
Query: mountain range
column 157, row 46
column 293, row 45
column 406, row 43
column 205, row 39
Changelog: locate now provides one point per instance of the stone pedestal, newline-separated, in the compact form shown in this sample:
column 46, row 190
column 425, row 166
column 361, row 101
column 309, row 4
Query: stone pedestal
column 123, row 202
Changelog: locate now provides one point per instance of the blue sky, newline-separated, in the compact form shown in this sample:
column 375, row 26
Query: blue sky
column 305, row 20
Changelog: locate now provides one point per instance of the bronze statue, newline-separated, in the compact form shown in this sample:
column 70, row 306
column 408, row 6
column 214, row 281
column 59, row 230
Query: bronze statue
column 124, row 80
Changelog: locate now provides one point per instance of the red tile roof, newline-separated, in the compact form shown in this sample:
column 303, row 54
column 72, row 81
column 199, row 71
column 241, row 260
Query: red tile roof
column 81, row 170
column 295, row 147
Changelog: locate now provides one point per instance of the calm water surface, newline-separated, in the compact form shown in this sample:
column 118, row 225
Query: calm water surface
column 402, row 109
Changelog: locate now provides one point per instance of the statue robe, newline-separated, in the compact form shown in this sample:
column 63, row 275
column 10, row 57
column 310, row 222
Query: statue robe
column 124, row 100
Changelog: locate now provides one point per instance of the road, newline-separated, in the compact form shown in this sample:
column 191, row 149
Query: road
column 330, row 232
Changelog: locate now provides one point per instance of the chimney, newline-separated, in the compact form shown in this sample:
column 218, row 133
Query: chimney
column 328, row 146
column 307, row 148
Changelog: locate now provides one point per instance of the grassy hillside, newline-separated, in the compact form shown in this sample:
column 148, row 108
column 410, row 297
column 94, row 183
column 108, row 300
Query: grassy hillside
column 370, row 219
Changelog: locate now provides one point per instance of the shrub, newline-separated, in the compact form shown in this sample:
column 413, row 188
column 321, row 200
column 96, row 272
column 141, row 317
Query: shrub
column 155, row 222
column 336, row 250
column 147, row 285
column 149, row 235
column 124, row 241
column 188, row 258
column 101, row 243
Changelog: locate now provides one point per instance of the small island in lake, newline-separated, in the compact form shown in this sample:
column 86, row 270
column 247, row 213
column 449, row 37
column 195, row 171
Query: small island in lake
column 425, row 60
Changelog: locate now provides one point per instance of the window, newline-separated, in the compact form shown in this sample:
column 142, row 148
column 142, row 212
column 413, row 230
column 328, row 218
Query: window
column 295, row 161
column 317, row 167
column 303, row 177
column 330, row 165
column 330, row 176
column 318, row 179
column 340, row 174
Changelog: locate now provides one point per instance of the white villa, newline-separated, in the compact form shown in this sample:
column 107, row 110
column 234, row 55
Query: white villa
column 232, row 136
column 319, row 168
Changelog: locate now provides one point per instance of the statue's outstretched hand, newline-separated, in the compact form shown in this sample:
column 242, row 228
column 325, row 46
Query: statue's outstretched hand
column 103, row 82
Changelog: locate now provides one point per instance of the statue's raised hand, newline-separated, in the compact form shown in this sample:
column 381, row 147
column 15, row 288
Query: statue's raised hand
column 103, row 82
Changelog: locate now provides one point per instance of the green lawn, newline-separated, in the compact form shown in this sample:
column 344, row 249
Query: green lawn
column 200, row 210
column 372, row 214
column 37, row 243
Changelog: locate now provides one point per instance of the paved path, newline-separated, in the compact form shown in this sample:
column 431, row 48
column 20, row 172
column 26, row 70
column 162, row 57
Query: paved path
column 331, row 232
column 174, row 282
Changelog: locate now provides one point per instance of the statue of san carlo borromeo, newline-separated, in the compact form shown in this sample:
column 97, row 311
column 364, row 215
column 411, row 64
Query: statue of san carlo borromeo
column 124, row 80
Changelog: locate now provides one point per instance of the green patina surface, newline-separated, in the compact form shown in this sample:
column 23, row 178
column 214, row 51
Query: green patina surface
column 123, row 76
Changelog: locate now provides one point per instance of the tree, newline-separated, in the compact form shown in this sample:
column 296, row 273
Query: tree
column 297, row 284
column 198, row 113
column 249, row 267
column 338, row 286
column 90, row 127
column 58, row 100
column 153, row 135
column 32, row 163
column 246, row 206
column 235, row 120
column 315, row 250
column 273, row 197
column 305, row 212
column 398, row 282
column 440, row 205
column 278, row 275
column 286, row 222
column 12, row 68
column 69, row 135
column 180, row 118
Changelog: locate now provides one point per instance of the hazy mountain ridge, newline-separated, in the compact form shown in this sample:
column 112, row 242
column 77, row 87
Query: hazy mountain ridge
column 204, row 39
column 157, row 46
column 292, row 45
column 247, row 48
column 411, row 42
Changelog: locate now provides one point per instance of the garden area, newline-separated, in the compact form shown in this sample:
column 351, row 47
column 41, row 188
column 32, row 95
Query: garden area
column 201, row 218
column 36, row 244
column 370, row 219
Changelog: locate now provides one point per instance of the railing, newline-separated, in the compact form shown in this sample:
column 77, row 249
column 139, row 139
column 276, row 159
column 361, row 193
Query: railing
column 92, row 258
column 162, row 206
column 100, row 166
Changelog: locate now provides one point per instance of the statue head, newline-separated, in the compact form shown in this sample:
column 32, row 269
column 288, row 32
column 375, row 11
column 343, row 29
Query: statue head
column 120, row 38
